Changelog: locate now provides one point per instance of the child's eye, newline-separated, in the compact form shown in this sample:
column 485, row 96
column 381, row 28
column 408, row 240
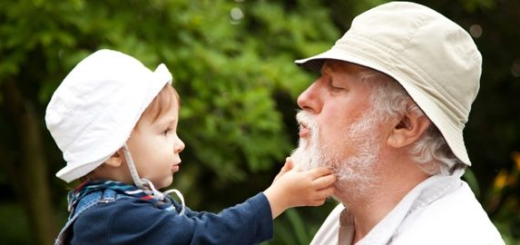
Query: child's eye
column 167, row 131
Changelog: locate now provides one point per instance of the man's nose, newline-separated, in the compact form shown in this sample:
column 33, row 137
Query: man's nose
column 309, row 99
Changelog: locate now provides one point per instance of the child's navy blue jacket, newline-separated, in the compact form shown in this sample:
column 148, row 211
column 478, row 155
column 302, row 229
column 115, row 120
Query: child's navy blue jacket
column 134, row 221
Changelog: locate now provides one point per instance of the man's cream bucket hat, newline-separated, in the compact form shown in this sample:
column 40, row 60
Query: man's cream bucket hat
column 433, row 58
column 93, row 112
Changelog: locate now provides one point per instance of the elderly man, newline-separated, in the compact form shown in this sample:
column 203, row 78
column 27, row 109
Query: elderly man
column 387, row 114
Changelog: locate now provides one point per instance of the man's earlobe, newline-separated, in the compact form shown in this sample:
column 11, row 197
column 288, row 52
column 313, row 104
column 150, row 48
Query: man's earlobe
column 115, row 160
column 408, row 130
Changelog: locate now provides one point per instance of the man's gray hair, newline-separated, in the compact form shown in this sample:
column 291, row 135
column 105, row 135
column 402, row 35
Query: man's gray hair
column 430, row 151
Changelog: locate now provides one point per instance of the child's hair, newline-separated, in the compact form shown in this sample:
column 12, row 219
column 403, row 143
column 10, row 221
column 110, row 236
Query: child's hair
column 161, row 103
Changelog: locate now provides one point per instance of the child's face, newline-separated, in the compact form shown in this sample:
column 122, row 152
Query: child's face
column 155, row 147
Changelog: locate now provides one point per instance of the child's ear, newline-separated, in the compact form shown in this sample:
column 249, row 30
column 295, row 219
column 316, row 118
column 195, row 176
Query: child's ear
column 115, row 160
column 408, row 129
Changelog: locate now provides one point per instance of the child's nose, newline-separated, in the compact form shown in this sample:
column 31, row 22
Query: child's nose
column 179, row 146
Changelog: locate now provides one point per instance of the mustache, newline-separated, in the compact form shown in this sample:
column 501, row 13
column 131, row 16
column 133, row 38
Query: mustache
column 306, row 119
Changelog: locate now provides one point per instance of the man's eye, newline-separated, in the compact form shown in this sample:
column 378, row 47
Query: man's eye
column 335, row 87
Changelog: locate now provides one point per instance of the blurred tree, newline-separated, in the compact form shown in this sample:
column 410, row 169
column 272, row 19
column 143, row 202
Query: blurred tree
column 230, row 60
column 233, row 67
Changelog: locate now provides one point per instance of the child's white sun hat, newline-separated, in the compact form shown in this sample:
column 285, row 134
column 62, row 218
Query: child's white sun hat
column 94, row 110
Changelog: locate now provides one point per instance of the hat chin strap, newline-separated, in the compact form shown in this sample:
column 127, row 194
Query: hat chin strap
column 133, row 171
column 145, row 184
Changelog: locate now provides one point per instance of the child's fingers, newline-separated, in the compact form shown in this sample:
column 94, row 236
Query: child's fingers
column 323, row 194
column 286, row 168
column 326, row 192
column 319, row 172
column 324, row 181
column 288, row 164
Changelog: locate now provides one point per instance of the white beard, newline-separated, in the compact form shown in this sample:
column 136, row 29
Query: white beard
column 308, row 155
column 355, row 173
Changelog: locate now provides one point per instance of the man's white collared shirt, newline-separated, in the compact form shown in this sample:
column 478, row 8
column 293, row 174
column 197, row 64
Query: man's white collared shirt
column 441, row 210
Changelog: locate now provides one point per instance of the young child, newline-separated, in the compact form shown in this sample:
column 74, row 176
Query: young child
column 115, row 122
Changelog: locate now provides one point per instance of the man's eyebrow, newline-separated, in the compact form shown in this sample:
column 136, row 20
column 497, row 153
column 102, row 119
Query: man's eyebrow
column 327, row 68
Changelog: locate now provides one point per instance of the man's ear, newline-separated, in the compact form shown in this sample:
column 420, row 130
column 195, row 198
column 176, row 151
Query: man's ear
column 115, row 160
column 408, row 129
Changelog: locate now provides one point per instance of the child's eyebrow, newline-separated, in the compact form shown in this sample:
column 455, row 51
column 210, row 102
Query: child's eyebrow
column 168, row 121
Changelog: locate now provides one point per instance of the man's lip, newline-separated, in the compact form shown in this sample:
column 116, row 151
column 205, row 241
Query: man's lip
column 304, row 131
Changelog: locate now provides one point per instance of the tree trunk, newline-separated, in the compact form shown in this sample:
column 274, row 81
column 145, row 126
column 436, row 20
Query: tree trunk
column 29, row 164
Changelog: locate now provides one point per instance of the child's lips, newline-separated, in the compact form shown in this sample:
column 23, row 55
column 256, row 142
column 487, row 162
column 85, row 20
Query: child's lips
column 176, row 167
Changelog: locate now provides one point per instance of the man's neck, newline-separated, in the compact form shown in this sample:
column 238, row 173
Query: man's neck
column 371, row 206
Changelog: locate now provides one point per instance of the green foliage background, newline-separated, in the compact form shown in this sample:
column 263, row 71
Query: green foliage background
column 233, row 67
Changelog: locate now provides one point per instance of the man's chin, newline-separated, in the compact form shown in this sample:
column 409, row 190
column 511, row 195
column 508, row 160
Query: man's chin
column 301, row 160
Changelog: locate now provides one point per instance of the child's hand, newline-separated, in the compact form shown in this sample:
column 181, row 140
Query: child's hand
column 294, row 188
column 286, row 167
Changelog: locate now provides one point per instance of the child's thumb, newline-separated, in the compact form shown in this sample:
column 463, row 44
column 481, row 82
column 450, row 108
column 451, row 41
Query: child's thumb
column 288, row 164
column 286, row 167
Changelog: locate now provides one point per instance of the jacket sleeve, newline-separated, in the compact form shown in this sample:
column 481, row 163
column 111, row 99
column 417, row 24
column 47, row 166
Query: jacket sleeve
column 132, row 221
